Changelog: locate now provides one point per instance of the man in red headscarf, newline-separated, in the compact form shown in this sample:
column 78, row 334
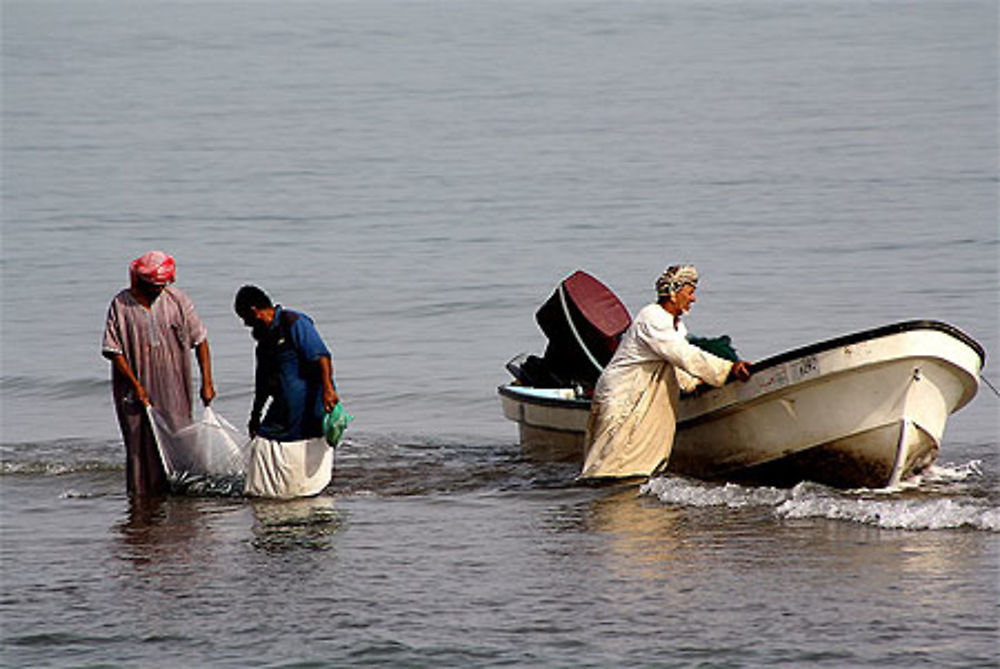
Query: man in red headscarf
column 151, row 328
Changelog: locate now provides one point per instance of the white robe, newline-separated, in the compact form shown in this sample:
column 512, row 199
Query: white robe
column 632, row 420
column 286, row 469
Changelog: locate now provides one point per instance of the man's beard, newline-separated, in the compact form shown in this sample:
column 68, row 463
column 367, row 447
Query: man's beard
column 151, row 291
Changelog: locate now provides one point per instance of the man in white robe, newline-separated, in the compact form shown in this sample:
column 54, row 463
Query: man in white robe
column 630, row 431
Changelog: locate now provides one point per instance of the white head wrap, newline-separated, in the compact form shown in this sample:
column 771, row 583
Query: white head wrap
column 675, row 278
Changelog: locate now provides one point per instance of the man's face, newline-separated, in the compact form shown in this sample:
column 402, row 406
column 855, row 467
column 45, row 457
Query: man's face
column 150, row 290
column 258, row 326
column 684, row 298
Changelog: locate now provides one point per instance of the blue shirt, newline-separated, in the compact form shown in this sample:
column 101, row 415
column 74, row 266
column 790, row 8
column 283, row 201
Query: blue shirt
column 288, row 372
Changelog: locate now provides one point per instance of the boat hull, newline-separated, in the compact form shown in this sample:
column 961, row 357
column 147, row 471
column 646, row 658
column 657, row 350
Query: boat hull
column 866, row 410
column 551, row 424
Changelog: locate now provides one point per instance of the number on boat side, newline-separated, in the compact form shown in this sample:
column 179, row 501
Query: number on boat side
column 808, row 366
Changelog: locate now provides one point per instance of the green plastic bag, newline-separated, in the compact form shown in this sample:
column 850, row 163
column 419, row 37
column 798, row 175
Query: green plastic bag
column 334, row 423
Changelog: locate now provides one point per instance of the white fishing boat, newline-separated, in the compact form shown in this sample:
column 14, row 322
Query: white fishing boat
column 867, row 409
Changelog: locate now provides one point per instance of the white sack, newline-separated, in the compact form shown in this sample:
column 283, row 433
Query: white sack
column 286, row 469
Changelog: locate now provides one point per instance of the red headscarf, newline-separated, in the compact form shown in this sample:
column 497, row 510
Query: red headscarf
column 155, row 267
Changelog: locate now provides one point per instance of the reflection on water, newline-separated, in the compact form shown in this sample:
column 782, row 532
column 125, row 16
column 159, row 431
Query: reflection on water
column 185, row 530
column 161, row 529
column 640, row 535
column 167, row 545
column 286, row 525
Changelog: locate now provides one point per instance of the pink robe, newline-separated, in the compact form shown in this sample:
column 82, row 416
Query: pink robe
column 156, row 342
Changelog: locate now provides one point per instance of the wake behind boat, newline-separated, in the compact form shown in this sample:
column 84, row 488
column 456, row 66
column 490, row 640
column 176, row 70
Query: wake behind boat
column 866, row 409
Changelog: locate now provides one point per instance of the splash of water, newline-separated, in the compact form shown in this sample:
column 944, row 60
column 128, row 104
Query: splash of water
column 940, row 499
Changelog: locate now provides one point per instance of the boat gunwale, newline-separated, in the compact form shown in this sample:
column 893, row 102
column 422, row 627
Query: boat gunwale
column 506, row 390
column 557, row 402
column 865, row 335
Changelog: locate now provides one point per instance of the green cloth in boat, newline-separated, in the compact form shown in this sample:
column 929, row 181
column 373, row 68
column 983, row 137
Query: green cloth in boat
column 721, row 346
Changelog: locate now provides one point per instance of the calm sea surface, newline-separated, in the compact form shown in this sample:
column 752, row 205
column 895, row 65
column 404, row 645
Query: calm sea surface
column 418, row 176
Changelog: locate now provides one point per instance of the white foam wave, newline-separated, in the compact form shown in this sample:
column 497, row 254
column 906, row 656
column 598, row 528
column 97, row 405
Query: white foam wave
column 890, row 509
column 685, row 492
column 48, row 468
column 903, row 514
column 945, row 472
column 76, row 494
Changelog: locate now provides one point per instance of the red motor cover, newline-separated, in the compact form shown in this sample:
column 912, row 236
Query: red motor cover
column 600, row 307
column 598, row 316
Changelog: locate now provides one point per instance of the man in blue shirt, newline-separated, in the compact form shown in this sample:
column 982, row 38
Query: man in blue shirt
column 294, row 369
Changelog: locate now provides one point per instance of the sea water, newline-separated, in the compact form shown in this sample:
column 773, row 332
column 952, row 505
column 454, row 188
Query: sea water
column 418, row 176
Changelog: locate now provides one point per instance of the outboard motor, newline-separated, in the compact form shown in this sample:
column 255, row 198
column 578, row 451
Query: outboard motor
column 583, row 321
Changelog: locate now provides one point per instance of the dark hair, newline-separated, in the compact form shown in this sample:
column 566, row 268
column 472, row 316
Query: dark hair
column 250, row 296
